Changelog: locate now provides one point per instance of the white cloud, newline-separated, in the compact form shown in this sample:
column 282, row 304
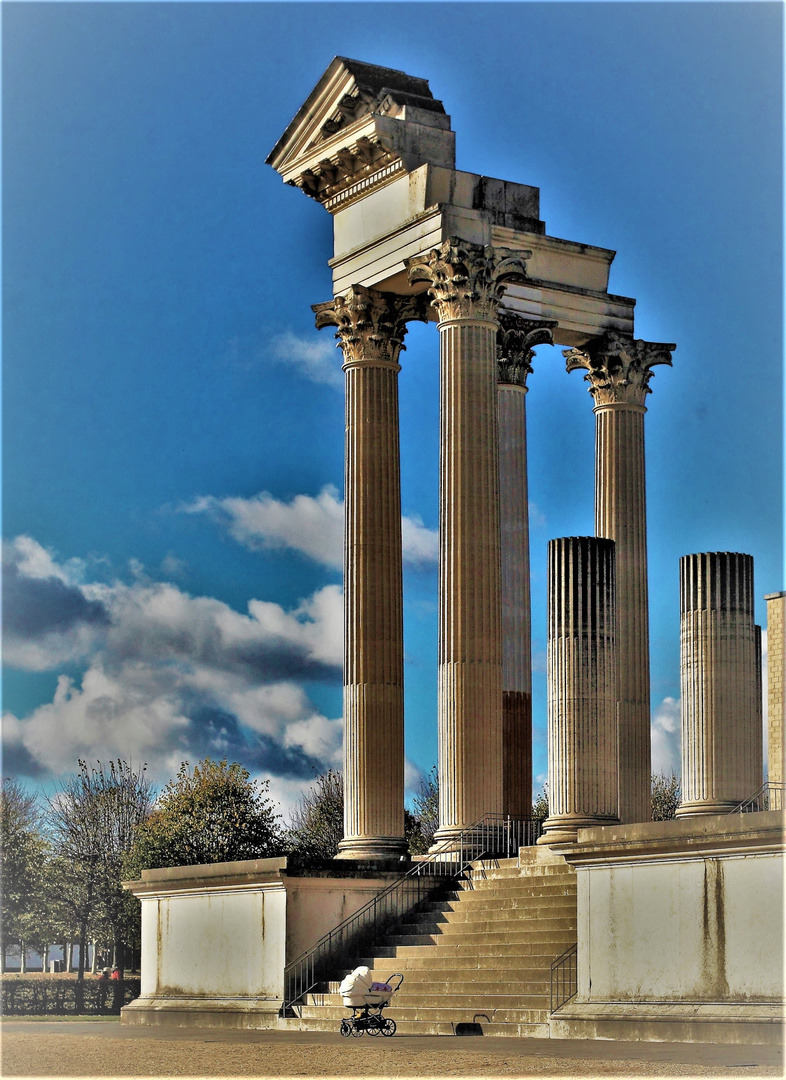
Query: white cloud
column 168, row 676
column 537, row 519
column 420, row 545
column 666, row 737
column 315, row 358
column 311, row 525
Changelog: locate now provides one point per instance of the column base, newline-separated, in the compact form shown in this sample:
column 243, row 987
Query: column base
column 702, row 807
column 374, row 847
column 564, row 828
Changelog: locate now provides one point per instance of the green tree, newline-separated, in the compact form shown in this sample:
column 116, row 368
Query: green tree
column 92, row 821
column 214, row 813
column 425, row 815
column 317, row 824
column 540, row 805
column 23, row 852
column 666, row 796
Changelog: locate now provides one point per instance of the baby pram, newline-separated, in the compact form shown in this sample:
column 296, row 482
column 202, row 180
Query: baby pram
column 367, row 999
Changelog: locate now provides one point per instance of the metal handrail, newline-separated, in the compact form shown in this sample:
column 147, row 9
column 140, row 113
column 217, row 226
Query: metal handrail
column 770, row 796
column 564, row 978
column 492, row 835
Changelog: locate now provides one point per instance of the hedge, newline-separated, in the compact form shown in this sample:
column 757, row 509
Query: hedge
column 62, row 997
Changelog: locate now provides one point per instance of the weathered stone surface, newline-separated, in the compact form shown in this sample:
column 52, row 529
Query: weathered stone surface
column 721, row 719
column 776, row 670
column 582, row 687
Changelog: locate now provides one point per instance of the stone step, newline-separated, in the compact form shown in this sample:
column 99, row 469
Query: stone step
column 473, row 951
column 513, row 884
column 457, row 935
column 464, row 983
column 456, row 1014
column 449, row 927
column 429, row 1027
column 557, row 908
column 475, row 1000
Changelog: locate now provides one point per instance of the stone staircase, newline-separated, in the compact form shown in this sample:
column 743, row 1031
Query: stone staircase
column 480, row 956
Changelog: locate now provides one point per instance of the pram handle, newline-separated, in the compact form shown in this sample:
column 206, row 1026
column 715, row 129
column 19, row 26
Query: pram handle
column 395, row 975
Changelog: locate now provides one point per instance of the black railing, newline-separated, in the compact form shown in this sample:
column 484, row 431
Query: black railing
column 768, row 797
column 494, row 835
column 564, row 978
column 64, row 997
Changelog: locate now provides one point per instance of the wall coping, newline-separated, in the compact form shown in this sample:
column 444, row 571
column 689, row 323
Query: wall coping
column 678, row 839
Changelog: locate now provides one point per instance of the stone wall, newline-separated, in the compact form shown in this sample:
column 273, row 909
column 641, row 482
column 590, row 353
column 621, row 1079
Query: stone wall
column 680, row 931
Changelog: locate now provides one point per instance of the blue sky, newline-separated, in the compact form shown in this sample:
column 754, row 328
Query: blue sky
column 173, row 423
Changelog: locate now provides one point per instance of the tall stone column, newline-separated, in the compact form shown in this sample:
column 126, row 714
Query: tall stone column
column 465, row 286
column 516, row 341
column 371, row 328
column 619, row 369
column 582, row 688
column 776, row 678
column 721, row 722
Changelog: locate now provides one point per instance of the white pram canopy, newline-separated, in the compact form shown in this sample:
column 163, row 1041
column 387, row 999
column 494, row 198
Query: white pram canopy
column 358, row 988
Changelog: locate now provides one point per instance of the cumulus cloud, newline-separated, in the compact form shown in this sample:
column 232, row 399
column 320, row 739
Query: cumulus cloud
column 315, row 358
column 168, row 676
column 666, row 737
column 311, row 525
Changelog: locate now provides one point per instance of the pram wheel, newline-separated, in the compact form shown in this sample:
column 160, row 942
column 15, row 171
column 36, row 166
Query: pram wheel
column 389, row 1026
column 357, row 1030
column 375, row 1024
column 346, row 1028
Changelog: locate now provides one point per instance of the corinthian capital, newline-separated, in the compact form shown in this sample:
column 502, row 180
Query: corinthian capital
column 466, row 280
column 371, row 324
column 619, row 367
column 516, row 341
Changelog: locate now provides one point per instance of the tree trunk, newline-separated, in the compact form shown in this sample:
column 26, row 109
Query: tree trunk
column 2, row 959
column 45, row 960
column 22, row 958
column 94, row 960
column 68, row 956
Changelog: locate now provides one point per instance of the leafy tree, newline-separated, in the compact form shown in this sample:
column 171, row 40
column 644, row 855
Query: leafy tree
column 23, row 854
column 92, row 821
column 317, row 825
column 425, row 818
column 214, row 814
column 540, row 806
column 666, row 796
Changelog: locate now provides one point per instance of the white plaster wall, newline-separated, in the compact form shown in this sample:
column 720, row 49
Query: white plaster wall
column 682, row 930
column 215, row 943
column 317, row 905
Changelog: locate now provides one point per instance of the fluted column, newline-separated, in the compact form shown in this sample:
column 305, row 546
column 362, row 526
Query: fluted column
column 721, row 721
column 465, row 286
column 618, row 371
column 582, row 687
column 516, row 341
column 371, row 328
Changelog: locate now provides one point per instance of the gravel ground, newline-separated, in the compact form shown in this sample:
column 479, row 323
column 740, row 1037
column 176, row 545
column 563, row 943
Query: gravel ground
column 83, row 1049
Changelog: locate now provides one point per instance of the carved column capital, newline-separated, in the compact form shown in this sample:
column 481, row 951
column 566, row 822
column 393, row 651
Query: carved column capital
column 619, row 367
column 516, row 341
column 466, row 281
column 370, row 324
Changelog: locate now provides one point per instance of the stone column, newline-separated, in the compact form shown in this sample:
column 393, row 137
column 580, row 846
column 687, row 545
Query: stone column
column 466, row 285
column 618, row 371
column 582, row 688
column 516, row 341
column 721, row 723
column 776, row 675
column 371, row 329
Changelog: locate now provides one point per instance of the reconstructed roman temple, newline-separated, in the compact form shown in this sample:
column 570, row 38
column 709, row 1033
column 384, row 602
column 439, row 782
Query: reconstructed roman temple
column 612, row 925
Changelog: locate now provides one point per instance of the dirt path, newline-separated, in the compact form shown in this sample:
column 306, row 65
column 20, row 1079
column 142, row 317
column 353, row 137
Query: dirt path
column 36, row 1050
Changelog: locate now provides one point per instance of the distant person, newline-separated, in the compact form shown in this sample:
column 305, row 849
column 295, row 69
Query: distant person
column 115, row 973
